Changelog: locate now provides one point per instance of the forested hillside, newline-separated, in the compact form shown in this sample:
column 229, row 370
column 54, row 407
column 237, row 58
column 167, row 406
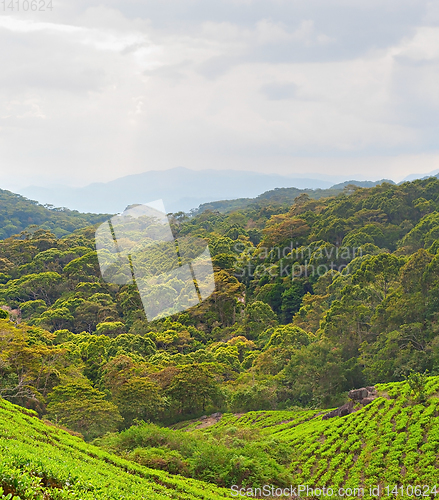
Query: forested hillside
column 282, row 196
column 18, row 214
column 310, row 302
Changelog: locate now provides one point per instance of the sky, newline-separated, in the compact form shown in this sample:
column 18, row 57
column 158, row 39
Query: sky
column 92, row 91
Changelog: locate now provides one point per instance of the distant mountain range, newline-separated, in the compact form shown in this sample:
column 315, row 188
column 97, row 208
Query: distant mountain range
column 412, row 177
column 18, row 213
column 181, row 189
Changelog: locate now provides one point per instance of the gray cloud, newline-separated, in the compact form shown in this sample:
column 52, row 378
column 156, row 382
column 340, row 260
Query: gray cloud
column 280, row 91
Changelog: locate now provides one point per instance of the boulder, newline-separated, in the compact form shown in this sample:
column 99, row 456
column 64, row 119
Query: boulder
column 366, row 401
column 330, row 414
column 364, row 396
column 340, row 412
column 358, row 394
column 345, row 409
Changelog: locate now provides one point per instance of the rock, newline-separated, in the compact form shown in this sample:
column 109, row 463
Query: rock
column 364, row 396
column 340, row 412
column 366, row 401
column 345, row 409
column 358, row 394
column 216, row 415
column 203, row 417
column 331, row 414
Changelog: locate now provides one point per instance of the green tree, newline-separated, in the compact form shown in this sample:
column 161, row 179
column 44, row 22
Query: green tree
column 83, row 409
column 193, row 388
column 258, row 317
column 43, row 286
column 110, row 328
column 139, row 398
column 85, row 268
column 55, row 319
column 315, row 375
column 292, row 300
column 28, row 367
column 260, row 396
column 380, row 273
column 417, row 383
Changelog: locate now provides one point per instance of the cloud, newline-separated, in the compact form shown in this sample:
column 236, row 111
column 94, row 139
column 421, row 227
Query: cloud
column 279, row 91
column 92, row 92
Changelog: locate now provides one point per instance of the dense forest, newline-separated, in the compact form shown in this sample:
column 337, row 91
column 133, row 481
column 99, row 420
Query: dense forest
column 282, row 196
column 311, row 301
column 18, row 213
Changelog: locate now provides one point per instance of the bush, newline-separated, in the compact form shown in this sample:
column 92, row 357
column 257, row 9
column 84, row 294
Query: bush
column 223, row 460
column 162, row 459
column 417, row 382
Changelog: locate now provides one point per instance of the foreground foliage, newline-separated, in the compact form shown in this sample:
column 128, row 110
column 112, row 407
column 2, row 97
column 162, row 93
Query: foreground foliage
column 41, row 462
column 393, row 441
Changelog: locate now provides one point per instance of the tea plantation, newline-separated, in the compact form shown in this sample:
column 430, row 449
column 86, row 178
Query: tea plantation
column 393, row 441
column 42, row 462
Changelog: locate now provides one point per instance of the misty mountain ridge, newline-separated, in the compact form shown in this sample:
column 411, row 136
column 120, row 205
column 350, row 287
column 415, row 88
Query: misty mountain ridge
column 412, row 177
column 181, row 189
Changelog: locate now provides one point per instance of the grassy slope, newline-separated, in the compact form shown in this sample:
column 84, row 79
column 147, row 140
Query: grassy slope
column 391, row 441
column 42, row 462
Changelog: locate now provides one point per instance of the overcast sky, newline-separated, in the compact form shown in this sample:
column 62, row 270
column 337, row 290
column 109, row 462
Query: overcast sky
column 93, row 91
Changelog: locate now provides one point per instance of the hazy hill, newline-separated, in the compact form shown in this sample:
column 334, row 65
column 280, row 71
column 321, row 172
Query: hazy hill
column 364, row 184
column 183, row 189
column 180, row 189
column 38, row 461
column 412, row 177
column 18, row 213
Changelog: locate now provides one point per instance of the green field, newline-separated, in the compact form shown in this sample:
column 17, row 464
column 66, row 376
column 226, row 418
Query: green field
column 42, row 462
column 394, row 441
